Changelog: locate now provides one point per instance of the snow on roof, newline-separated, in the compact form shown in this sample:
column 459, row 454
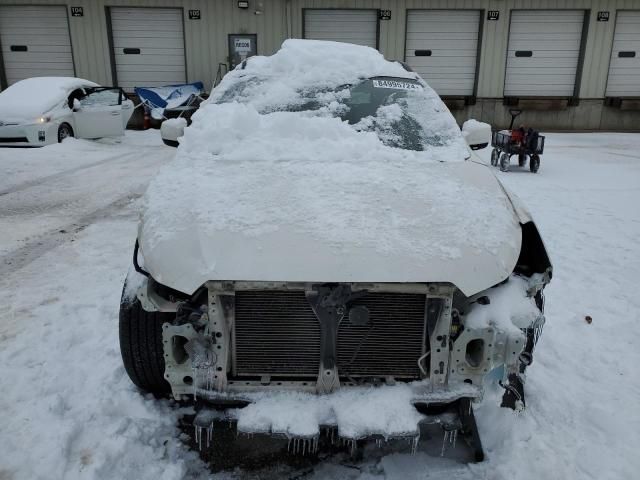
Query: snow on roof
column 30, row 98
column 304, row 64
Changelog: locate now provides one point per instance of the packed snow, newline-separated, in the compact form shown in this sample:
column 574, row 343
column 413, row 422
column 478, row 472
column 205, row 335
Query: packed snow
column 357, row 412
column 32, row 97
column 69, row 410
column 509, row 308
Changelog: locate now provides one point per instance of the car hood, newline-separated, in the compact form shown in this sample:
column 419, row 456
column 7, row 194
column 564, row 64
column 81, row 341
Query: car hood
column 378, row 223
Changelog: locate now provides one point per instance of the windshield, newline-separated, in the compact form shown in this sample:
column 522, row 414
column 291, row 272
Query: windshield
column 398, row 110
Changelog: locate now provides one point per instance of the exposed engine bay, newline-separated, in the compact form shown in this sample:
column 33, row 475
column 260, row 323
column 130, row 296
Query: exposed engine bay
column 293, row 359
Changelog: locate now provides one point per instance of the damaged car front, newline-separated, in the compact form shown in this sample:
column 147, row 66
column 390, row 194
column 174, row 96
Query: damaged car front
column 326, row 253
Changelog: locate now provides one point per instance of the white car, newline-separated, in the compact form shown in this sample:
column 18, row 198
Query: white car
column 44, row 110
column 327, row 252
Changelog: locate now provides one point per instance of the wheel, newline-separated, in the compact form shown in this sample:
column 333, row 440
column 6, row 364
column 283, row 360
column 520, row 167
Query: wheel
column 522, row 159
column 495, row 154
column 534, row 163
column 504, row 162
column 64, row 131
column 141, row 346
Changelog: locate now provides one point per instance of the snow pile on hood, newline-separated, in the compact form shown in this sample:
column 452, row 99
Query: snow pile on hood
column 32, row 97
column 304, row 64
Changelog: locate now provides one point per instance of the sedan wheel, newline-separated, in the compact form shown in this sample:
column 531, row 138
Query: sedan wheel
column 64, row 131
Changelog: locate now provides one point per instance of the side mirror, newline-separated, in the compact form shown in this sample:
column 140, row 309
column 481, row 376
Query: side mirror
column 77, row 106
column 477, row 134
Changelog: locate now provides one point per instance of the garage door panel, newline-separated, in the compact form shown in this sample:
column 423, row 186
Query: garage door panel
column 129, row 62
column 623, row 44
column 44, row 30
column 352, row 26
column 40, row 58
column 130, row 34
column 452, row 38
column 148, row 43
column 167, row 26
column 553, row 37
column 158, row 35
column 624, row 72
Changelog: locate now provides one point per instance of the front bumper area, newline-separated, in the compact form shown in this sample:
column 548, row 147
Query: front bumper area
column 35, row 135
column 351, row 417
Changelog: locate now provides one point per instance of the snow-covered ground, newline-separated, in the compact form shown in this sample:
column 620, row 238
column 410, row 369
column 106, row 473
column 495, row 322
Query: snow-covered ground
column 67, row 409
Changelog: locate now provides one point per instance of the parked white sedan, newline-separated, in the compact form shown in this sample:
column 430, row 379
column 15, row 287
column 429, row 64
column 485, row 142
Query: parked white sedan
column 44, row 110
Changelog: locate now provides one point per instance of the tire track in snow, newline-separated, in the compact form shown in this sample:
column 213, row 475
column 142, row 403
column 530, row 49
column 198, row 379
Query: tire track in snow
column 22, row 256
column 56, row 176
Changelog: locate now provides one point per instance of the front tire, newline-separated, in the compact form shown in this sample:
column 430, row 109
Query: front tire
column 504, row 162
column 64, row 131
column 141, row 346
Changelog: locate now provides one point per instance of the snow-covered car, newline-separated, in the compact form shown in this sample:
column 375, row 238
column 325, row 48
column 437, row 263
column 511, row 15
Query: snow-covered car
column 44, row 110
column 326, row 251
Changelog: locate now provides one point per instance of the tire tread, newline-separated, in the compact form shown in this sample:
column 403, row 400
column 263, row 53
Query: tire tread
column 141, row 346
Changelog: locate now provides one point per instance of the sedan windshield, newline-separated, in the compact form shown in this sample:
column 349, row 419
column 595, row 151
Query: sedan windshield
column 400, row 111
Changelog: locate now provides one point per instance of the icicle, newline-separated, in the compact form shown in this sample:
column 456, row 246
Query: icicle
column 414, row 446
column 444, row 443
column 455, row 437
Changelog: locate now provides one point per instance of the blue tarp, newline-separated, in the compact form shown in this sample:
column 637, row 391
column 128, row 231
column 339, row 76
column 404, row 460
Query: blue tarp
column 169, row 96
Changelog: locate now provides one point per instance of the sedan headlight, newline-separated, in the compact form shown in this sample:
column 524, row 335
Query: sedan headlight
column 43, row 119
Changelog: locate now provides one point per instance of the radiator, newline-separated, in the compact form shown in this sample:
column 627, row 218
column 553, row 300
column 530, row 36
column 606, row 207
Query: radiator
column 276, row 333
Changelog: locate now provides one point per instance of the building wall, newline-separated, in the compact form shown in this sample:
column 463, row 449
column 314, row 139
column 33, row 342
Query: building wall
column 205, row 39
column 206, row 44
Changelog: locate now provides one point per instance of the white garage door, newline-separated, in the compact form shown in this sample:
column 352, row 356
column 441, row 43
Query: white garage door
column 148, row 46
column 442, row 46
column 624, row 69
column 35, row 42
column 350, row 26
column 543, row 52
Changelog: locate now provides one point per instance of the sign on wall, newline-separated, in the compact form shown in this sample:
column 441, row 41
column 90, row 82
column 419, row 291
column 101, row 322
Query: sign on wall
column 384, row 15
column 194, row 14
column 603, row 16
column 77, row 12
column 242, row 46
column 493, row 14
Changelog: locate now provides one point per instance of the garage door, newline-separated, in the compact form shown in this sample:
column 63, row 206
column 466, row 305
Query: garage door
column 442, row 46
column 624, row 69
column 351, row 26
column 148, row 46
column 543, row 52
column 35, row 42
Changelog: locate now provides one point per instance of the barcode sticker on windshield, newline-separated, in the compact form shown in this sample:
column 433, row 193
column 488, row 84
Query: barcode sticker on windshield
column 398, row 85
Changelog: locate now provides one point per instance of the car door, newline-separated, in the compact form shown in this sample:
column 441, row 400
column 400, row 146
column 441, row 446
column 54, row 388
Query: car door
column 99, row 113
